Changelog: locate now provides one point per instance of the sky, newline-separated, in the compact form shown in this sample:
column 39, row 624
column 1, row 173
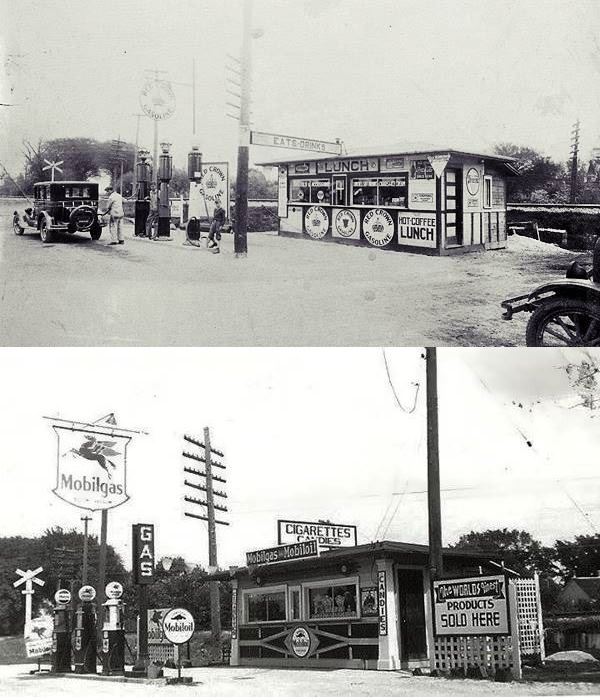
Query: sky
column 465, row 74
column 307, row 434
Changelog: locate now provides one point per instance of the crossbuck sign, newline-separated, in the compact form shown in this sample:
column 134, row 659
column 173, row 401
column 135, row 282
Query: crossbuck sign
column 28, row 578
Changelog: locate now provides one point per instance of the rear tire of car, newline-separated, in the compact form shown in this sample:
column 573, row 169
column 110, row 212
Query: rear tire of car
column 17, row 228
column 46, row 234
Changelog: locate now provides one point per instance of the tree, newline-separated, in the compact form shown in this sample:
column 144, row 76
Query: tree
column 578, row 557
column 540, row 179
column 180, row 183
column 516, row 548
column 258, row 186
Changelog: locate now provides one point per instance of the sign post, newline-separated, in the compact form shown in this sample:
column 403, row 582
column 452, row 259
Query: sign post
column 143, row 566
column 28, row 578
column 178, row 628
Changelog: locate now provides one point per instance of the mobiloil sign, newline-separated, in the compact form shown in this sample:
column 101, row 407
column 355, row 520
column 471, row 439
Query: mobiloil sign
column 91, row 467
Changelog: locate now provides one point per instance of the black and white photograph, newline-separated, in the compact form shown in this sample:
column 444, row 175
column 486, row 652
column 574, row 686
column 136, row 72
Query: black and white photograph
column 299, row 348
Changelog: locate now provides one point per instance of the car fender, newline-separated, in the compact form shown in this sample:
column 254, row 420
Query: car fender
column 567, row 287
column 44, row 215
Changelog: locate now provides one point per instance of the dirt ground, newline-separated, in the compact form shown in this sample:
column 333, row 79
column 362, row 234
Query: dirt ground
column 288, row 292
column 252, row 682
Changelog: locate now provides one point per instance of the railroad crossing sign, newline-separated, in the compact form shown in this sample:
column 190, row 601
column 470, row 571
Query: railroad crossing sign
column 53, row 165
column 28, row 578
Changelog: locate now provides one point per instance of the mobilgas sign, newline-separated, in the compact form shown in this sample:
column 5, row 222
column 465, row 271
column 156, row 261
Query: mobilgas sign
column 328, row 535
column 470, row 606
column 91, row 469
column 284, row 553
column 143, row 553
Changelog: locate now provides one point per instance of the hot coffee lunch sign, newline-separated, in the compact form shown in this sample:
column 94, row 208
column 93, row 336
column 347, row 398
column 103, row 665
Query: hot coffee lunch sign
column 468, row 606
column 328, row 535
column 91, row 470
column 286, row 552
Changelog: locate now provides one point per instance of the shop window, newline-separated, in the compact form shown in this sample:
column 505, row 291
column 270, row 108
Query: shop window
column 265, row 606
column 383, row 191
column 364, row 192
column 317, row 191
column 332, row 600
column 487, row 191
column 295, row 611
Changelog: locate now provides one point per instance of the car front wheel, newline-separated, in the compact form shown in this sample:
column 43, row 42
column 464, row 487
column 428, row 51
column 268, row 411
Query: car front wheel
column 46, row 234
column 17, row 228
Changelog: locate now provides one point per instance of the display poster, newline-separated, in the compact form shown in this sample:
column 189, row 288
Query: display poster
column 345, row 224
column 282, row 191
column 471, row 606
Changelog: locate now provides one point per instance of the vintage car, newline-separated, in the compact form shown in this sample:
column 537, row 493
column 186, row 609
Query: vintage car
column 67, row 206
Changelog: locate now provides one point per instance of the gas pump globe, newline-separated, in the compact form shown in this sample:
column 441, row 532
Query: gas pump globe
column 143, row 171
column 165, row 173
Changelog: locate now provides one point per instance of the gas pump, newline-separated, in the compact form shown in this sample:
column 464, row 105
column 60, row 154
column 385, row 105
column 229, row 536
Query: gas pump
column 113, row 634
column 165, row 173
column 195, row 209
column 144, row 178
column 61, row 635
column 84, row 646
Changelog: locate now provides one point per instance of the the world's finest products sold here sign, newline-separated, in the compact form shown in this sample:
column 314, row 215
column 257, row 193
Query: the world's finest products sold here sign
column 91, row 470
column 471, row 606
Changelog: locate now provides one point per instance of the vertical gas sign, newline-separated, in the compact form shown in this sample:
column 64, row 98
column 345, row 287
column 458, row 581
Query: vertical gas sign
column 143, row 553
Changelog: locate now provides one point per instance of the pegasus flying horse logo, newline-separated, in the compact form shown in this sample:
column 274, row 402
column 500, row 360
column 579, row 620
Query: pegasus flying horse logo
column 98, row 451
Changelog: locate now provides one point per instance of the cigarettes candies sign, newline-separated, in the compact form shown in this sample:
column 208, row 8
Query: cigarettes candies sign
column 143, row 553
column 468, row 606
column 328, row 535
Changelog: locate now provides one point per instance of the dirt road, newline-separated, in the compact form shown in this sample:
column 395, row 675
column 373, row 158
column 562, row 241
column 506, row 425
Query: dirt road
column 287, row 292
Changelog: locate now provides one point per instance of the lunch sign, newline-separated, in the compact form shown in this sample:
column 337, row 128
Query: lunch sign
column 471, row 606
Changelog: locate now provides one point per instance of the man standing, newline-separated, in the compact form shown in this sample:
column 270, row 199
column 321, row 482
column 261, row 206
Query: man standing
column 214, row 234
column 152, row 219
column 114, row 208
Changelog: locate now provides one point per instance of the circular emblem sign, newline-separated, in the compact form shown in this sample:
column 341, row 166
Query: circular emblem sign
column 316, row 222
column 62, row 596
column 345, row 223
column 178, row 625
column 473, row 181
column 378, row 227
column 300, row 642
column 157, row 99
column 113, row 590
column 87, row 594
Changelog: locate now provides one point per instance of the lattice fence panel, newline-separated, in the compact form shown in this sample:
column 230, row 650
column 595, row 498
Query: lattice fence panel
column 160, row 652
column 491, row 652
column 531, row 632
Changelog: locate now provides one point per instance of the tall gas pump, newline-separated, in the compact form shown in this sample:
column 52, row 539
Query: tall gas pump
column 84, row 645
column 113, row 633
column 165, row 173
column 195, row 209
column 144, row 178
column 61, row 635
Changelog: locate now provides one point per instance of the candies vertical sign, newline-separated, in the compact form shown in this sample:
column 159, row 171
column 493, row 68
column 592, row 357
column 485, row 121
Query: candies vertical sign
column 143, row 553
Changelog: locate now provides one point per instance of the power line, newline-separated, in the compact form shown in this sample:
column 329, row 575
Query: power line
column 389, row 378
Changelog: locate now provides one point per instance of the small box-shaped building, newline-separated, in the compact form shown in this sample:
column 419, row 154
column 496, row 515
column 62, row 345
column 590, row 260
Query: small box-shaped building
column 437, row 202
column 367, row 606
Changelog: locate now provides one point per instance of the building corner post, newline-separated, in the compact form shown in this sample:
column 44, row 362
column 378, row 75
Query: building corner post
column 389, row 642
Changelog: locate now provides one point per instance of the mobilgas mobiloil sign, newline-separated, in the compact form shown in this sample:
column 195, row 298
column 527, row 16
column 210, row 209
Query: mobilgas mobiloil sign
column 91, row 467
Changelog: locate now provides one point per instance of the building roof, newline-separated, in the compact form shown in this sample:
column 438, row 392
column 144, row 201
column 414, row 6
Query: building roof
column 382, row 549
column 590, row 585
column 400, row 150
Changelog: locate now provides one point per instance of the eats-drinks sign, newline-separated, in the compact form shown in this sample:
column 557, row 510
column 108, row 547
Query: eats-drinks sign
column 143, row 553
column 468, row 606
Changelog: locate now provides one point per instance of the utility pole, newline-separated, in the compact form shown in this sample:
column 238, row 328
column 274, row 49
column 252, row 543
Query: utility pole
column 240, row 239
column 210, row 505
column 433, row 467
column 84, row 571
column 574, row 160
column 138, row 115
